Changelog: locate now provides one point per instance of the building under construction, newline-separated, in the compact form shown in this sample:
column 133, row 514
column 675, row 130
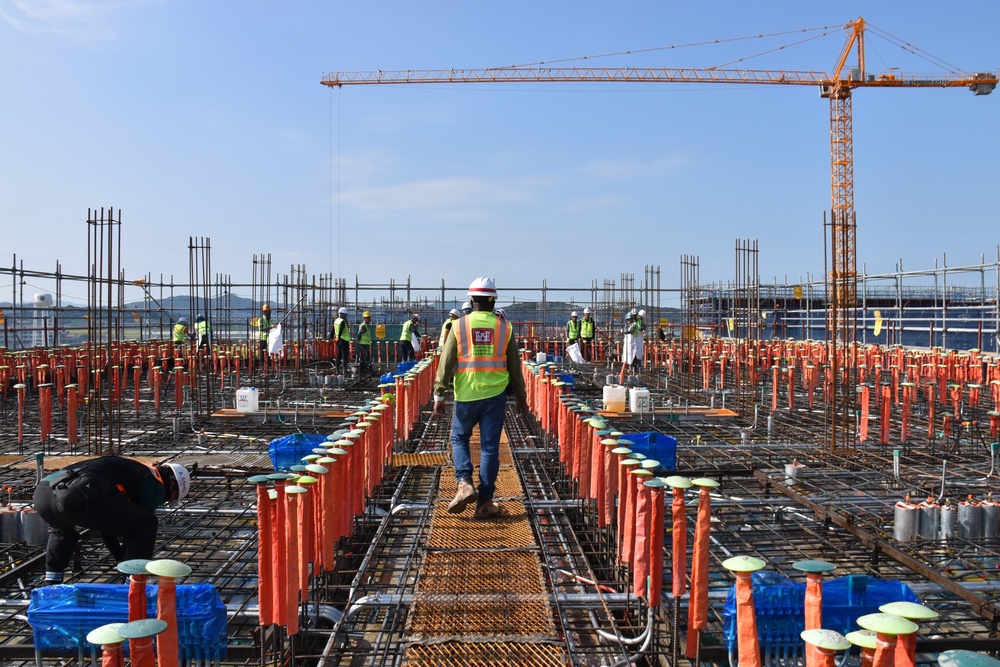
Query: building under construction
column 636, row 495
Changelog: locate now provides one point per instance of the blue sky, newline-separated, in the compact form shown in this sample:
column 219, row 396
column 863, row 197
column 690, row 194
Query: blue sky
column 207, row 119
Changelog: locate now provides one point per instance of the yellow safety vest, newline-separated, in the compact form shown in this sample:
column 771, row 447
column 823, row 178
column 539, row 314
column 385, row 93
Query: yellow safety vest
column 587, row 328
column 265, row 325
column 337, row 333
column 180, row 331
column 573, row 329
column 364, row 334
column 406, row 334
column 481, row 370
column 445, row 328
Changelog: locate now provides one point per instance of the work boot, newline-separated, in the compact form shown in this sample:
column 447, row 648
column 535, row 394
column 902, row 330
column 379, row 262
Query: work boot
column 487, row 510
column 466, row 494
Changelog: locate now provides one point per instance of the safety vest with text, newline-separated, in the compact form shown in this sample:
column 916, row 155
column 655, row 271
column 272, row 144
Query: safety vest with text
column 481, row 370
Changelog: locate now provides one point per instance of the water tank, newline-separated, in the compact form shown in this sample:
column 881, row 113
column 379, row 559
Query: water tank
column 43, row 300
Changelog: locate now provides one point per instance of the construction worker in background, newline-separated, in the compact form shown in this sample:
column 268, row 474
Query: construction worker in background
column 179, row 337
column 204, row 332
column 453, row 316
column 264, row 327
column 466, row 307
column 411, row 331
column 364, row 348
column 588, row 331
column 639, row 334
column 482, row 356
column 114, row 496
column 573, row 329
column 342, row 335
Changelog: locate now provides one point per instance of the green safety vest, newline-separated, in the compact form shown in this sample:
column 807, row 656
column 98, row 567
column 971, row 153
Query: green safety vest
column 364, row 334
column 202, row 326
column 407, row 333
column 573, row 329
column 481, row 370
column 265, row 325
column 180, row 332
column 341, row 334
column 587, row 328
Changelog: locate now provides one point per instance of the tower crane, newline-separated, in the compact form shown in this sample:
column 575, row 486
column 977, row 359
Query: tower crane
column 837, row 86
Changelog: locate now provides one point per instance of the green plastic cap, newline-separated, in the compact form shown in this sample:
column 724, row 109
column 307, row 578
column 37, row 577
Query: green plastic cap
column 134, row 566
column 106, row 634
column 813, row 566
column 166, row 567
column 317, row 469
column 705, row 481
column 621, row 451
column 144, row 627
column 678, row 482
column 887, row 624
column 743, row 564
column 963, row 658
column 825, row 639
column 910, row 610
column 259, row 479
column 655, row 483
column 862, row 638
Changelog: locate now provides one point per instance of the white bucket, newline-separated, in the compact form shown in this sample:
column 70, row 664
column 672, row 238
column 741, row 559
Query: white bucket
column 541, row 357
column 246, row 399
column 614, row 398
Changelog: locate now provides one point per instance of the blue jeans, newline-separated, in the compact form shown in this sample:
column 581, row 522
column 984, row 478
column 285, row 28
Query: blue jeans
column 488, row 413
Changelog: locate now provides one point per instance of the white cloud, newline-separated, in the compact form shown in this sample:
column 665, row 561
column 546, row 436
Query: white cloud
column 618, row 170
column 80, row 20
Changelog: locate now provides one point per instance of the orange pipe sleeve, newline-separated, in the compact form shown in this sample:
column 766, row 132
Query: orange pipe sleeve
column 885, row 649
column 596, row 486
column 748, row 641
column 136, row 378
column 20, row 414
column 71, row 435
column 906, row 650
column 814, row 601
column 885, row 416
column 820, row 657
column 265, row 573
column 631, row 519
column 679, row 535
column 656, row 547
column 775, row 370
column 166, row 610
column 279, row 562
column 641, row 553
column 303, row 509
column 607, row 509
column 141, row 650
column 291, row 590
column 112, row 655
column 698, row 605
column 45, row 408
column 583, row 477
column 867, row 657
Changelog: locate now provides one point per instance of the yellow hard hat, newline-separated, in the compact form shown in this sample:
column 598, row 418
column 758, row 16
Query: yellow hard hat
column 366, row 314
column 266, row 306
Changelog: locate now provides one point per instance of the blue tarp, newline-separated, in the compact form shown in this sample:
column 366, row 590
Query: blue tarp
column 61, row 616
column 656, row 446
column 288, row 450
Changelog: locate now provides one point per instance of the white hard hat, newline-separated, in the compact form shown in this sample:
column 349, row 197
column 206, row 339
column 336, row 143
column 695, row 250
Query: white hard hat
column 415, row 316
column 342, row 311
column 183, row 478
column 454, row 313
column 642, row 313
column 182, row 320
column 483, row 287
column 574, row 314
column 466, row 306
column 586, row 311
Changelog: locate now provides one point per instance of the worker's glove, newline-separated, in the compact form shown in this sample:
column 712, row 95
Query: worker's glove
column 438, row 407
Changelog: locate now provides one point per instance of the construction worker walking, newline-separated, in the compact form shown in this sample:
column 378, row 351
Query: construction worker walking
column 410, row 333
column 342, row 335
column 482, row 357
column 114, row 496
column 364, row 347
column 179, row 338
column 264, row 328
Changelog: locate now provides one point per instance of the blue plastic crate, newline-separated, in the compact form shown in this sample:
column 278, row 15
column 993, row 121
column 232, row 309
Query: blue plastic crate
column 61, row 616
column 656, row 446
column 779, row 603
column 288, row 450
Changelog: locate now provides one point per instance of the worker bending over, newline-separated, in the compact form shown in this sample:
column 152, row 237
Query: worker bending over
column 115, row 496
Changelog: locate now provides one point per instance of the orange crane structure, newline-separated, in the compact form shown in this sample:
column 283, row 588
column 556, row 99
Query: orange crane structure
column 837, row 86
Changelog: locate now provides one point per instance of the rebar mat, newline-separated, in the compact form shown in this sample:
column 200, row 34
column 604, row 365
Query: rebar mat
column 487, row 654
column 480, row 615
column 482, row 572
column 507, row 483
column 460, row 531
column 426, row 459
